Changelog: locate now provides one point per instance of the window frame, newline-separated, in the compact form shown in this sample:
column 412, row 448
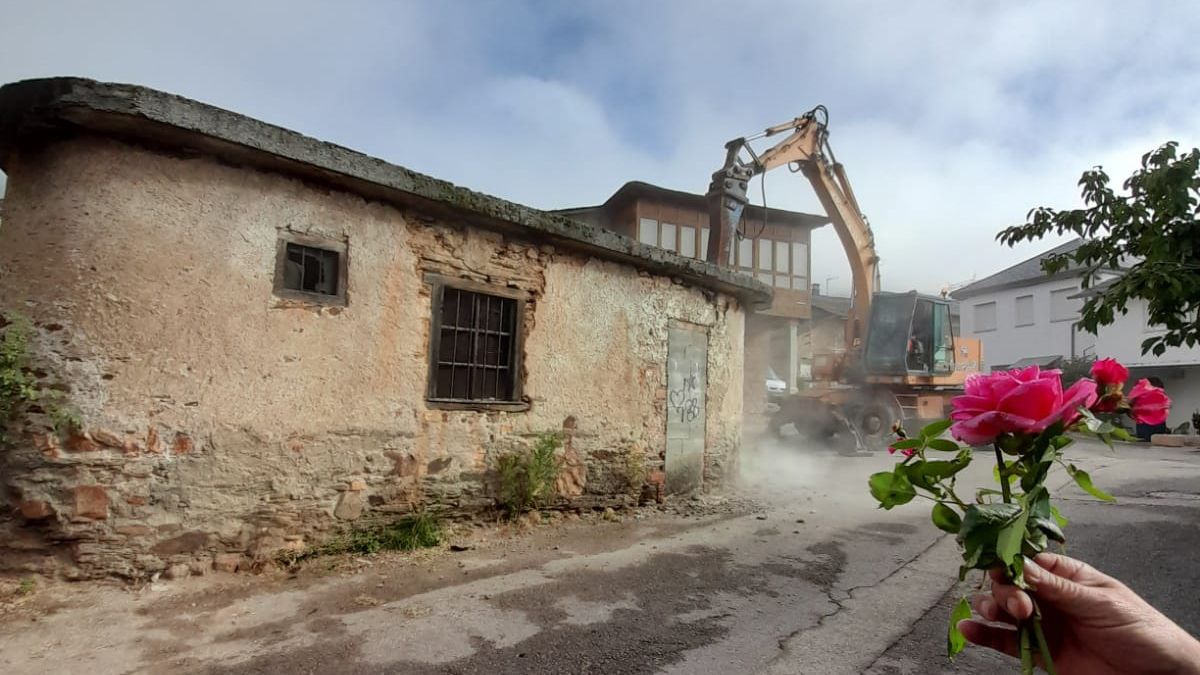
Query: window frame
column 1032, row 318
column 436, row 284
column 975, row 317
column 1065, row 293
column 340, row 247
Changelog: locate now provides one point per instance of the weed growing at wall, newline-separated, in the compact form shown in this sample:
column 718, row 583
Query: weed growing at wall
column 416, row 531
column 634, row 470
column 17, row 386
column 526, row 478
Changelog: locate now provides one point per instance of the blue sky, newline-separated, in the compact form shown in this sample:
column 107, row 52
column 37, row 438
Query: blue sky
column 953, row 119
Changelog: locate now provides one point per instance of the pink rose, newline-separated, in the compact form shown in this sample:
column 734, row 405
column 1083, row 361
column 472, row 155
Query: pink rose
column 1016, row 401
column 1149, row 404
column 1109, row 372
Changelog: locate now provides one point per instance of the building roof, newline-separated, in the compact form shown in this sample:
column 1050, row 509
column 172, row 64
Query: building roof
column 635, row 189
column 831, row 304
column 1025, row 273
column 41, row 111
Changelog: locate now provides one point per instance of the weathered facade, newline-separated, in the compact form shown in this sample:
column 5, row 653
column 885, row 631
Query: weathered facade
column 159, row 247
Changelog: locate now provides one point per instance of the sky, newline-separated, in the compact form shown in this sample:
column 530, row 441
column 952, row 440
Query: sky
column 953, row 119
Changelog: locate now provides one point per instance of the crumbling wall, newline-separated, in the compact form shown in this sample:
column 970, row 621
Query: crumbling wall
column 223, row 422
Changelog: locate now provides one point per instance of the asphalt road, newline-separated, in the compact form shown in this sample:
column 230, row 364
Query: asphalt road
column 813, row 580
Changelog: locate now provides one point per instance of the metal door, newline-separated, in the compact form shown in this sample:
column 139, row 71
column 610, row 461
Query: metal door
column 687, row 380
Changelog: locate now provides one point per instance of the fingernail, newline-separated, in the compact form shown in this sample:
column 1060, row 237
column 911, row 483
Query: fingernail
column 1031, row 570
column 1014, row 606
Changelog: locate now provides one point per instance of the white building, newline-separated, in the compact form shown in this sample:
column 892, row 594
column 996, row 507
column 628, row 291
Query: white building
column 1022, row 316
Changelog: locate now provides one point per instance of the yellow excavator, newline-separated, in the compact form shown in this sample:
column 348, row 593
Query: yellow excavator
column 899, row 362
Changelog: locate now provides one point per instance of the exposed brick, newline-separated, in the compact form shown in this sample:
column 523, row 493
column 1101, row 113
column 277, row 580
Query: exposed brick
column 91, row 502
column 81, row 443
column 35, row 509
column 182, row 444
column 153, row 444
column 135, row 500
column 227, row 562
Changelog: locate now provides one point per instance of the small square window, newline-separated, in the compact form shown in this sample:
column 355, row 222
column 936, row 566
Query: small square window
column 311, row 269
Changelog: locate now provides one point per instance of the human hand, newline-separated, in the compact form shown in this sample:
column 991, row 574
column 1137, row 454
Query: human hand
column 1093, row 623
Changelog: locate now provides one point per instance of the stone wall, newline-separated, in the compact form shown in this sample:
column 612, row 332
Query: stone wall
column 221, row 420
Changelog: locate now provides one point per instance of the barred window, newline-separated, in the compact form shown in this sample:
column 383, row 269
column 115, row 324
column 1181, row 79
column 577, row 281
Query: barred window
column 474, row 351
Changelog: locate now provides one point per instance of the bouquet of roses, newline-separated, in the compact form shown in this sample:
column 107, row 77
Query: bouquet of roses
column 1025, row 416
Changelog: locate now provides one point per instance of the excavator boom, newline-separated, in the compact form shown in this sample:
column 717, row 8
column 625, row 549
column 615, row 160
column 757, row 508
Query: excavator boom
column 804, row 149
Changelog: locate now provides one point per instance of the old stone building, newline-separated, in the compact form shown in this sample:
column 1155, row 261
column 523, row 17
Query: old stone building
column 265, row 337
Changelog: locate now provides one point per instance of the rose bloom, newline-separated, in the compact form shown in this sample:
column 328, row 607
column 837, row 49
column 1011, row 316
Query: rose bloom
column 1109, row 372
column 1148, row 404
column 1024, row 401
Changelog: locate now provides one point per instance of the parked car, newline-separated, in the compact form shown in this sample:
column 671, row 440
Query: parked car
column 776, row 387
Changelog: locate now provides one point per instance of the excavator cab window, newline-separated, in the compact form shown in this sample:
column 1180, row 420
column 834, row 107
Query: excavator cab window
column 909, row 335
column 888, row 333
column 943, row 332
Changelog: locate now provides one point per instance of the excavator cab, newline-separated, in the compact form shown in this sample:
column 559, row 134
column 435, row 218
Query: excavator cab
column 909, row 334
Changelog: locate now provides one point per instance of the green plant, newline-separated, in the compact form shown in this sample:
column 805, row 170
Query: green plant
column 526, row 478
column 1076, row 368
column 17, row 387
column 412, row 532
column 1145, row 236
column 64, row 418
column 27, row 586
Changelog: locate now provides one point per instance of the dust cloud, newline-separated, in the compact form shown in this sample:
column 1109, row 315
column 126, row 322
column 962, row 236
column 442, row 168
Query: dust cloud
column 780, row 469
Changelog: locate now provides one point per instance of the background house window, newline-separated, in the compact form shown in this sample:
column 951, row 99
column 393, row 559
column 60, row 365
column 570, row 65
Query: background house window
column 1062, row 306
column 764, row 261
column 1023, row 308
column 687, row 241
column 310, row 269
column 799, row 265
column 985, row 317
column 667, row 238
column 474, row 350
column 745, row 253
column 648, row 231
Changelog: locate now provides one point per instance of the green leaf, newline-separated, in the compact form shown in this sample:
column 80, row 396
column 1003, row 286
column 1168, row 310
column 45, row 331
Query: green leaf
column 938, row 469
column 1058, row 517
column 946, row 518
column 955, row 640
column 1085, row 482
column 981, row 526
column 1050, row 529
column 1008, row 543
column 936, row 429
column 908, row 444
column 1122, row 435
column 1060, row 442
column 891, row 489
column 943, row 445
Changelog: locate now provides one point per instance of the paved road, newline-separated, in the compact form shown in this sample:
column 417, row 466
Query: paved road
column 818, row 581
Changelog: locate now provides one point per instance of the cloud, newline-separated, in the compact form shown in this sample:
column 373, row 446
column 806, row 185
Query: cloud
column 953, row 119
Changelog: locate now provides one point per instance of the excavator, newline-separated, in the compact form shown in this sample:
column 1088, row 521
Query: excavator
column 899, row 362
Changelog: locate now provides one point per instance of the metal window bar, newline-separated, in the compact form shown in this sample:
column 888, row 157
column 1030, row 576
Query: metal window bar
column 488, row 347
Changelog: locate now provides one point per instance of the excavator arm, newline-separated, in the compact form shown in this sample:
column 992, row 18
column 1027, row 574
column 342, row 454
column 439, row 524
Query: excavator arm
column 805, row 149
